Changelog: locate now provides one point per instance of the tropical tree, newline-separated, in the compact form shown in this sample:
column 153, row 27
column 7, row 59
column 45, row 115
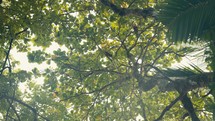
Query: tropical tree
column 192, row 21
column 113, row 64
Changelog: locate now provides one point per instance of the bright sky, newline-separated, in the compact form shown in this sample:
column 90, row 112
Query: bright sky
column 25, row 65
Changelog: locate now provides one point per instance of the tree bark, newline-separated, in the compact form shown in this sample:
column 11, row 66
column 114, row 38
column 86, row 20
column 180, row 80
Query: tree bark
column 188, row 105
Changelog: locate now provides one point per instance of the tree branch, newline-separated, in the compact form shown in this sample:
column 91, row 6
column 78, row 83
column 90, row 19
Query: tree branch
column 90, row 108
column 188, row 105
column 9, row 49
column 100, row 89
column 184, row 116
column 146, row 12
column 17, row 115
column 142, row 105
column 160, row 55
column 26, row 105
column 169, row 107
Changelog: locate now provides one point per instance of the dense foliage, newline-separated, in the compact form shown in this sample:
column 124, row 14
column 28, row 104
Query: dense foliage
column 113, row 64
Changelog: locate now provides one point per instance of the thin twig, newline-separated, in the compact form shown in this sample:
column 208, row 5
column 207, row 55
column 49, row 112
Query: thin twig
column 94, row 102
column 100, row 89
column 131, row 3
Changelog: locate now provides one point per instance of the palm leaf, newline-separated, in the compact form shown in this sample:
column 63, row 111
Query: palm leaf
column 188, row 20
column 186, row 71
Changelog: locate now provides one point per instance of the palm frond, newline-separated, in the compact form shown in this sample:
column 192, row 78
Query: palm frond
column 188, row 20
column 186, row 71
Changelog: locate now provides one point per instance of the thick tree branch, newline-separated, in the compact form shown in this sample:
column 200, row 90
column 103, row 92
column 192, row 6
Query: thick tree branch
column 146, row 12
column 188, row 105
column 169, row 107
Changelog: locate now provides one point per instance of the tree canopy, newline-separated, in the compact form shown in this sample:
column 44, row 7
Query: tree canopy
column 115, row 60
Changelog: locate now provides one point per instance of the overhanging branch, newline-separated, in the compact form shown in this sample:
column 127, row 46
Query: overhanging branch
column 145, row 13
column 188, row 105
column 169, row 107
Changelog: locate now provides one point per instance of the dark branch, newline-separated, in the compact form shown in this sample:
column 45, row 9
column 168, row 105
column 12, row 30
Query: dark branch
column 17, row 115
column 207, row 94
column 90, row 108
column 184, row 116
column 160, row 55
column 188, row 105
column 9, row 49
column 26, row 105
column 169, row 107
column 131, row 3
column 100, row 89
column 146, row 12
